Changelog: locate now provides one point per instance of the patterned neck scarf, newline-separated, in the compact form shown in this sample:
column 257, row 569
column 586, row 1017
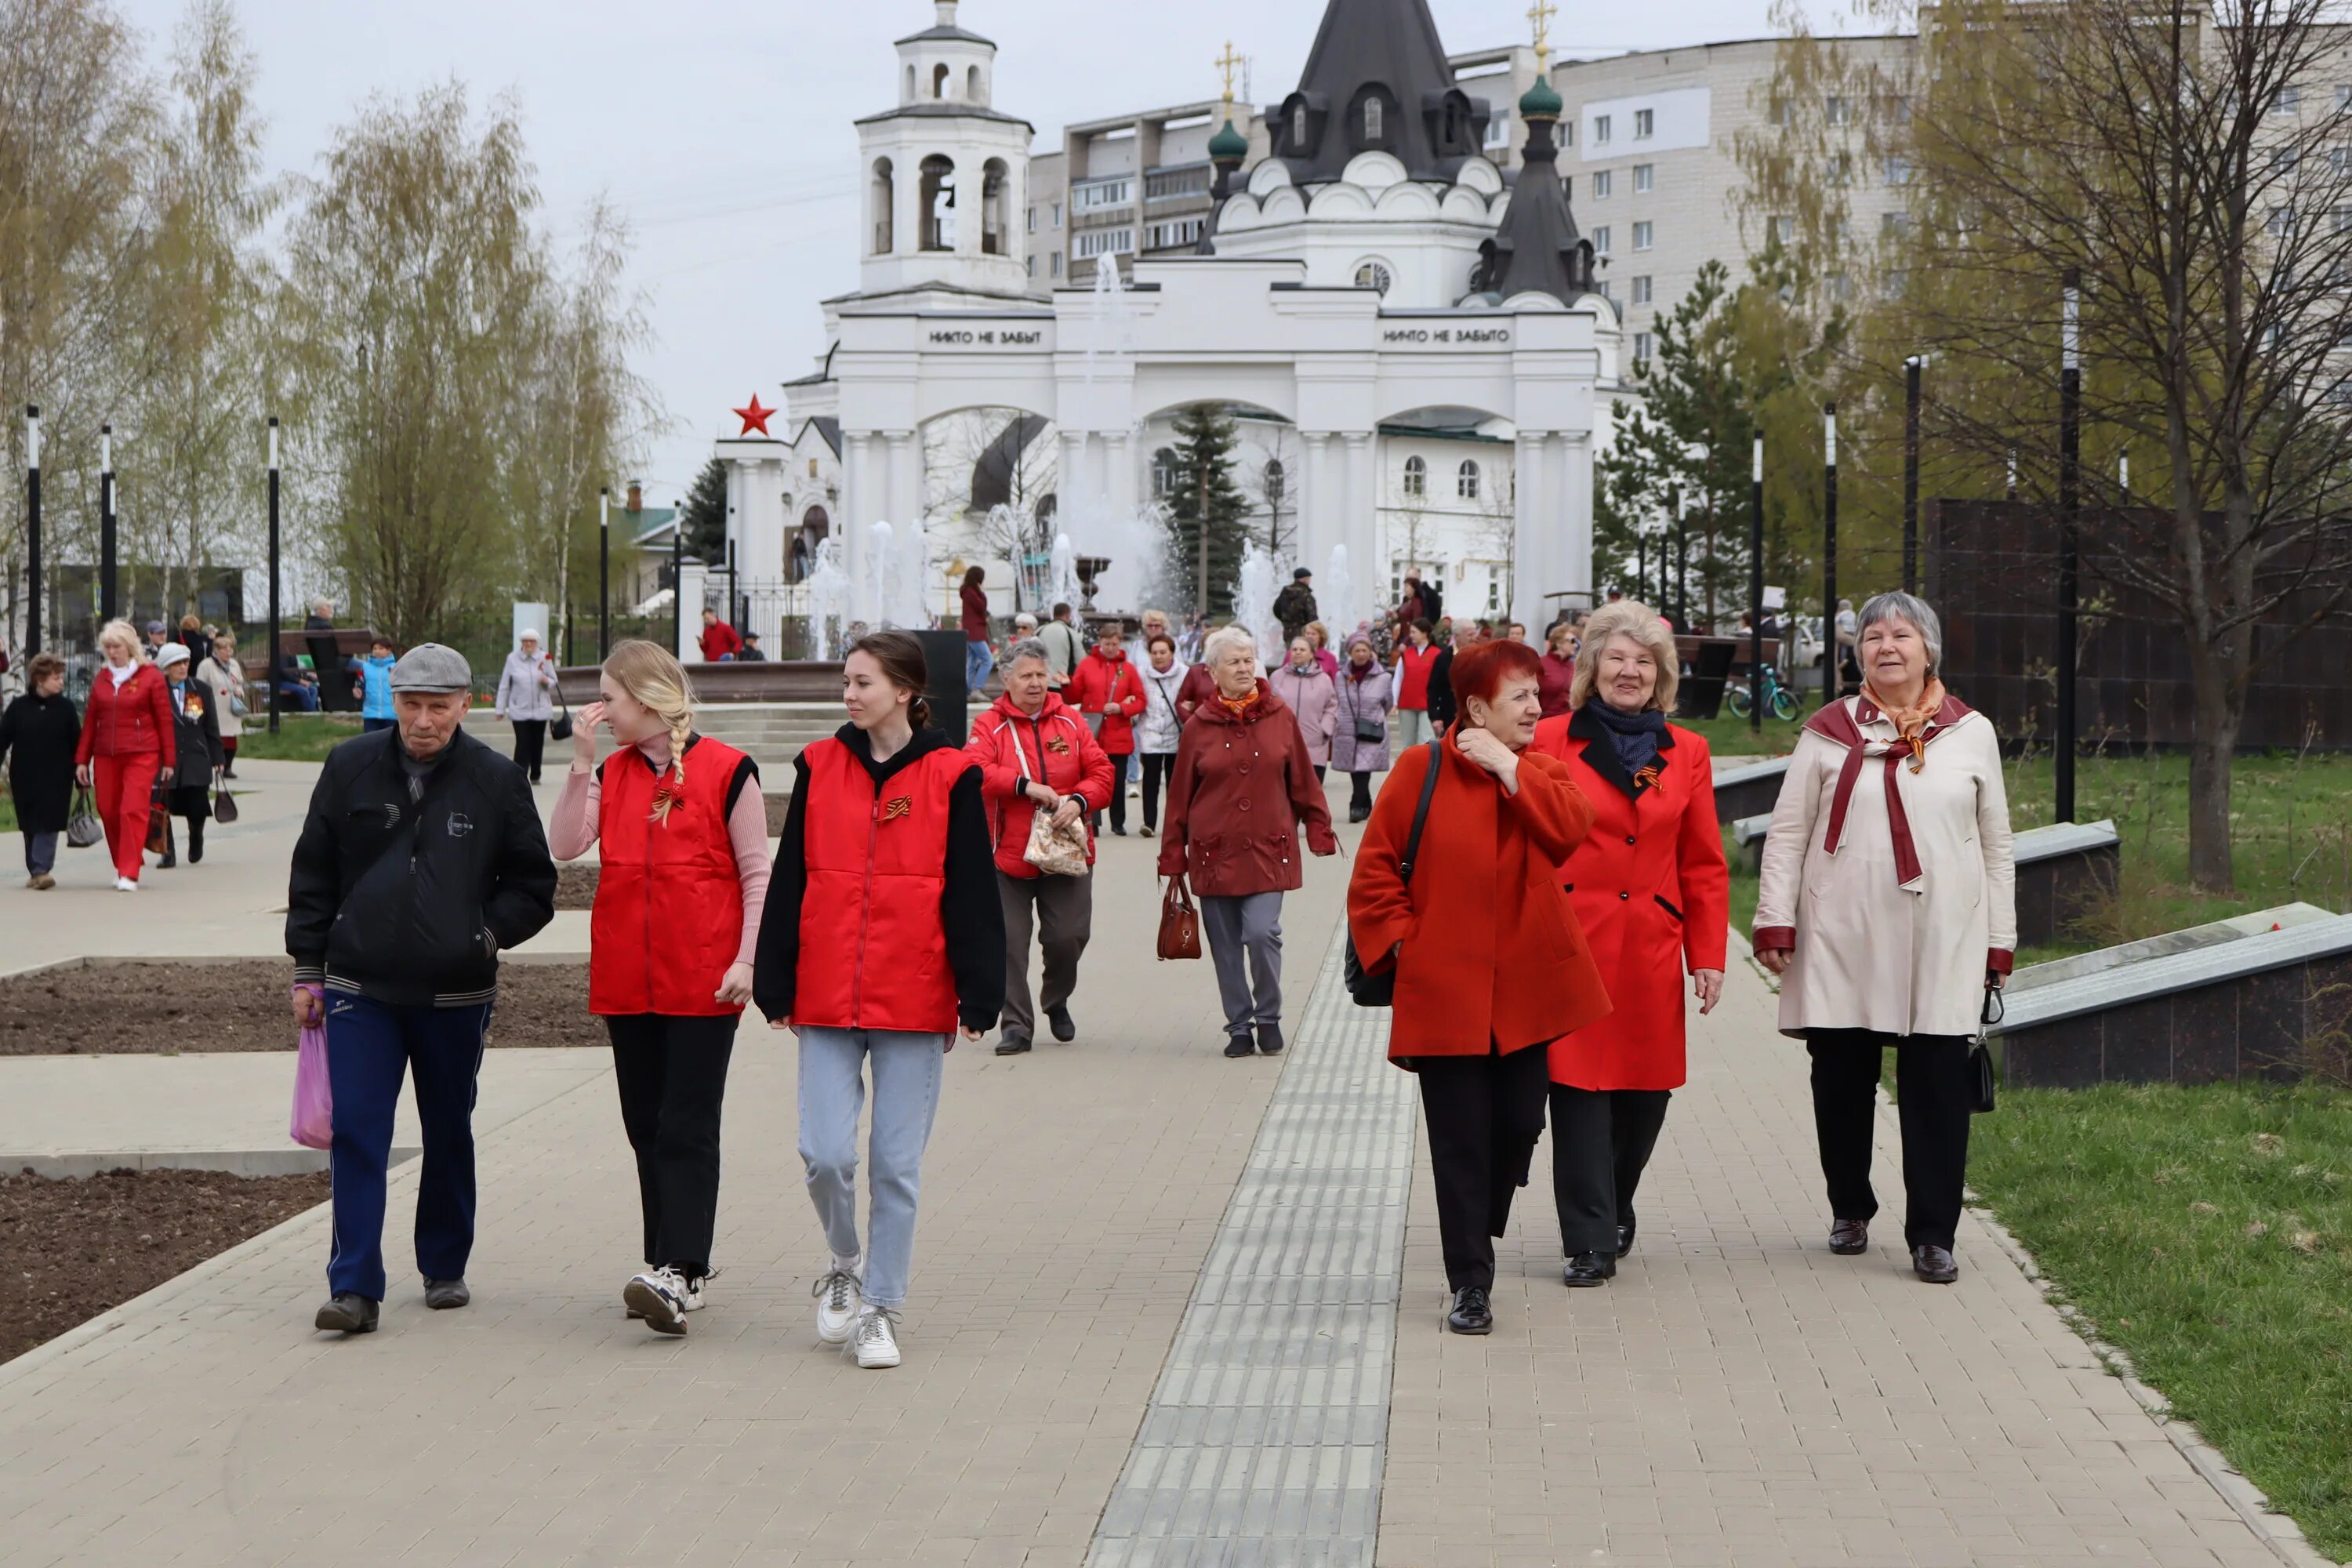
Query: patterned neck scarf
column 1911, row 722
column 1239, row 705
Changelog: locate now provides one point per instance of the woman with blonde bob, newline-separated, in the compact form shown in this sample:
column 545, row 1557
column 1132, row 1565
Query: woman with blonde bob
column 682, row 834
column 128, row 737
column 1652, row 895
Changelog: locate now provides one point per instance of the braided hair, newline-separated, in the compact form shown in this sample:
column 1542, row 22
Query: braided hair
column 652, row 675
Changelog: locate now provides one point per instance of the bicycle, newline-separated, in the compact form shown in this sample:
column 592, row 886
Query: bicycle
column 1779, row 701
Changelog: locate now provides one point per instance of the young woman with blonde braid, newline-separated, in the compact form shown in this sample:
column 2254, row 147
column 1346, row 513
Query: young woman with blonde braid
column 684, row 836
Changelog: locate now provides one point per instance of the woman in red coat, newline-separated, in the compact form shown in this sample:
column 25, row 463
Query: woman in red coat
column 1106, row 689
column 1653, row 895
column 126, row 740
column 1490, row 966
column 1242, row 789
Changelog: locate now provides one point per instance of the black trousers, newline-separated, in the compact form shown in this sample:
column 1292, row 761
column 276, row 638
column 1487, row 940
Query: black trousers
column 530, row 743
column 1118, row 770
column 1360, row 790
column 1600, row 1144
column 1483, row 1115
column 1934, row 1086
column 672, row 1074
column 1158, row 767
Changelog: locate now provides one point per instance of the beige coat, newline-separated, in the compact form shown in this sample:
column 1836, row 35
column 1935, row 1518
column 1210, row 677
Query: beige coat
column 1872, row 950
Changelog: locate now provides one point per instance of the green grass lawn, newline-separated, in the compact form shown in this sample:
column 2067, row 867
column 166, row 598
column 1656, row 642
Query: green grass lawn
column 2206, row 1232
column 301, row 738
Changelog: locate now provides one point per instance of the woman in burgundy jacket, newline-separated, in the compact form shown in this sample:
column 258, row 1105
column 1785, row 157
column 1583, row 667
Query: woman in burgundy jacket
column 126, row 740
column 1243, row 787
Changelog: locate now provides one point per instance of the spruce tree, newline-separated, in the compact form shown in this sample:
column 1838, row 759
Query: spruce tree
column 1205, row 507
column 706, row 515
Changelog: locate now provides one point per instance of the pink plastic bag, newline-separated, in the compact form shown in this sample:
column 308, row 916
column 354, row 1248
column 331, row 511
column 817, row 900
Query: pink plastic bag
column 313, row 1124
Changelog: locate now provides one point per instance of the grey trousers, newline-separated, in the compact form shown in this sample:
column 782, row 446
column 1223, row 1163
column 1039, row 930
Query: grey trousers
column 1062, row 910
column 1252, row 926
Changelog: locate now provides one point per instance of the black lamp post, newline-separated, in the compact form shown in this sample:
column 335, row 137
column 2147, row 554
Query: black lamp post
column 1756, row 595
column 269, row 655
column 108, row 567
column 1911, row 474
column 603, row 573
column 33, row 527
column 2070, row 460
column 1829, row 555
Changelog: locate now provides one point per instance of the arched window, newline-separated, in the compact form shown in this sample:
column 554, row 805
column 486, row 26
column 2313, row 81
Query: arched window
column 936, row 213
column 939, row 81
column 1276, row 483
column 1416, row 477
column 884, row 197
column 1372, row 131
column 1374, row 275
column 815, row 526
column 1465, row 481
column 971, row 85
column 994, row 179
column 1164, row 472
column 1298, row 128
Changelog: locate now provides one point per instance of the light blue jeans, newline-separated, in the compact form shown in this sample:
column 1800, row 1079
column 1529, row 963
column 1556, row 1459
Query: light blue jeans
column 979, row 662
column 907, row 1072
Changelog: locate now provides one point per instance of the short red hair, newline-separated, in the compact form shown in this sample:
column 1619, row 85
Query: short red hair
column 1479, row 671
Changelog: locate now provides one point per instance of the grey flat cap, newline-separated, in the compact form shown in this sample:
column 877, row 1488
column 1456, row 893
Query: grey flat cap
column 429, row 666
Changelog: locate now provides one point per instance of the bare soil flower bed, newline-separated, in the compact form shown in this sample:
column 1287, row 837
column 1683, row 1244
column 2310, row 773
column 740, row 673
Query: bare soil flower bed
column 124, row 1009
column 575, row 885
column 71, row 1249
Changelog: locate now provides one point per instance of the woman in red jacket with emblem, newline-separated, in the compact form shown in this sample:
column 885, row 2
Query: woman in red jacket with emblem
column 882, row 934
column 127, row 738
column 682, row 834
column 1108, row 690
column 1653, row 895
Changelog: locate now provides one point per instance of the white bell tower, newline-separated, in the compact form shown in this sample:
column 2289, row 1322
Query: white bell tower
column 946, row 175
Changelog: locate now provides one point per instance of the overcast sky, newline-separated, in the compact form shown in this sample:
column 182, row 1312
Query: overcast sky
column 724, row 132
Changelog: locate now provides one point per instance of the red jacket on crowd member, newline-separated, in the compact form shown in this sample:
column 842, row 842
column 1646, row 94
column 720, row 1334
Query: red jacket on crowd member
column 1054, row 747
column 975, row 613
column 1112, row 687
column 1491, row 956
column 1198, row 686
column 1558, row 680
column 719, row 641
column 1413, row 666
column 668, row 916
column 1651, row 894
column 131, row 719
column 1241, row 779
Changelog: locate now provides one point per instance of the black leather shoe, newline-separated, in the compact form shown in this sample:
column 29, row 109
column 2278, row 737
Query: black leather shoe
column 1239, row 1046
column 1587, row 1270
column 1849, row 1238
column 347, row 1313
column 442, row 1295
column 167, row 863
column 1065, row 1028
column 1269, row 1039
column 1625, row 1239
column 1012, row 1044
column 1935, row 1265
column 1470, row 1315
column 1358, row 812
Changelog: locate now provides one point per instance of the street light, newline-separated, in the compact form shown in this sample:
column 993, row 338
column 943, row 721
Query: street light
column 1829, row 553
column 1756, row 595
column 603, row 573
column 108, row 568
column 2070, row 455
column 1911, row 368
column 269, row 653
column 32, row 527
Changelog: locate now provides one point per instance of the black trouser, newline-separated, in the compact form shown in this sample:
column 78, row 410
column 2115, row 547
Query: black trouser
column 1934, row 1089
column 1359, row 790
column 1158, row 768
column 1321, row 768
column 1484, row 1115
column 1118, row 763
column 531, row 742
column 672, row 1074
column 1600, row 1143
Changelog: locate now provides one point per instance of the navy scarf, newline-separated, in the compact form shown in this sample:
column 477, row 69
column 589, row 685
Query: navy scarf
column 1635, row 736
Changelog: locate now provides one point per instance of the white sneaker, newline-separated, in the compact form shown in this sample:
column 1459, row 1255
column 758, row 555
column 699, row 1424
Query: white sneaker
column 125, row 885
column 659, row 1296
column 840, row 1297
column 875, row 1343
column 694, row 1301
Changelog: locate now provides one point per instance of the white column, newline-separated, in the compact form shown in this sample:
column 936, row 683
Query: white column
column 1531, row 548
column 1320, row 506
column 1122, row 476
column 1071, row 485
column 692, row 580
column 1360, row 489
column 862, row 498
column 906, row 478
column 1575, row 502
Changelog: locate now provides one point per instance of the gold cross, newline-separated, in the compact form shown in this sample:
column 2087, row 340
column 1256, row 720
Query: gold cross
column 1229, row 62
column 1540, row 13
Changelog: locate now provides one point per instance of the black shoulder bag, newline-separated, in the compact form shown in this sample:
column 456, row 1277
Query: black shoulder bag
column 1378, row 990
column 1980, row 1075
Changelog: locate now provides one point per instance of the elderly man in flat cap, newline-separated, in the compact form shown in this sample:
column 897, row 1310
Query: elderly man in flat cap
column 421, row 858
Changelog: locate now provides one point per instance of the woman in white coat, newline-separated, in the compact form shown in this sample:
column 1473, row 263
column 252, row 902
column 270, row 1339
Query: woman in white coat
column 1888, row 908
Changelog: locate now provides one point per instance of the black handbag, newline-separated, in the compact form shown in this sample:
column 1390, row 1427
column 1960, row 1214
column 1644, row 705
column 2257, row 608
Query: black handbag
column 1982, row 1090
column 1371, row 731
column 561, row 730
column 1371, row 990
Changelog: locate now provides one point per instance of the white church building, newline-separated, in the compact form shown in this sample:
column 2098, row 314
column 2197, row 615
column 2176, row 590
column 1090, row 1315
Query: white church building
column 1421, row 368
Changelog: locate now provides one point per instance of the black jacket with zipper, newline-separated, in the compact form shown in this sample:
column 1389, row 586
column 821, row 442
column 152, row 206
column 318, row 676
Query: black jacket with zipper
column 971, row 915
column 410, row 902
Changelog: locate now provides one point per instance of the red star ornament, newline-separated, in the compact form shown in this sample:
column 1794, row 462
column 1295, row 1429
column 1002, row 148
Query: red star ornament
column 755, row 418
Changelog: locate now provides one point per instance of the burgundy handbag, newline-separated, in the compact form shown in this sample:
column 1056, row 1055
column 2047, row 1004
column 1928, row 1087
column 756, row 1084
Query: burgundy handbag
column 1180, row 924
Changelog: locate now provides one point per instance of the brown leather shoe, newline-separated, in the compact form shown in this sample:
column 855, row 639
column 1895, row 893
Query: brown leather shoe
column 1849, row 1238
column 1935, row 1265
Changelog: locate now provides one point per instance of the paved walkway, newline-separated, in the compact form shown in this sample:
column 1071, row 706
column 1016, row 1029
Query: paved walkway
column 1100, row 1285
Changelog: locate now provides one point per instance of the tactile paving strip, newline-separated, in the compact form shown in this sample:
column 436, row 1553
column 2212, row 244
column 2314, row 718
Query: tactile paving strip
column 1265, row 1437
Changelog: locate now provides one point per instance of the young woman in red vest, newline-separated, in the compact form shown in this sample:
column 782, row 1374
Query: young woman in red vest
column 883, row 932
column 682, row 835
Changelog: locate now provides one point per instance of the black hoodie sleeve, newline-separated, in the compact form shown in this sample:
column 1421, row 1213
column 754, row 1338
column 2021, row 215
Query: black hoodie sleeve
column 314, row 882
column 523, row 896
column 775, row 963
column 970, row 910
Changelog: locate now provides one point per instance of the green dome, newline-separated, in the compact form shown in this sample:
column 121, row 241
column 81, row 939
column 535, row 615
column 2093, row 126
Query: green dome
column 1541, row 103
column 1228, row 145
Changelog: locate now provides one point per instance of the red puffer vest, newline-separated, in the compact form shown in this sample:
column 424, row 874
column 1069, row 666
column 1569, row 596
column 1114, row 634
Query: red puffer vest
column 873, row 952
column 669, row 904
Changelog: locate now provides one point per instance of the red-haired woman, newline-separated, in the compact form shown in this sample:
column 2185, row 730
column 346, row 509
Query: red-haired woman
column 1490, row 965
column 1653, row 895
column 882, row 933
